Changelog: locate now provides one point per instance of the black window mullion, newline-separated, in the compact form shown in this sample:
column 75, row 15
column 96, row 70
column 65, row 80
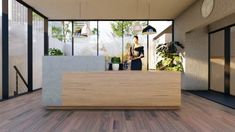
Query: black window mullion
column 46, row 39
column 122, row 42
column 30, row 50
column 227, row 62
column 209, row 62
column 147, row 49
column 97, row 38
column 72, row 38
column 5, row 50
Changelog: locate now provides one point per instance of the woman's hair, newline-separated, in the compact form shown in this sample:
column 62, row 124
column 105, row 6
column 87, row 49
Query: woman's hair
column 136, row 37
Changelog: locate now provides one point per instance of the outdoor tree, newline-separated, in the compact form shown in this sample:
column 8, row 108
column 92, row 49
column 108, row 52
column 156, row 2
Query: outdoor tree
column 121, row 27
column 62, row 33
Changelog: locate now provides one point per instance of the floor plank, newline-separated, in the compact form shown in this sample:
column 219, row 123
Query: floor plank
column 26, row 114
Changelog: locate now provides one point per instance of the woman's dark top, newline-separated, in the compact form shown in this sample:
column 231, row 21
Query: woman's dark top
column 136, row 64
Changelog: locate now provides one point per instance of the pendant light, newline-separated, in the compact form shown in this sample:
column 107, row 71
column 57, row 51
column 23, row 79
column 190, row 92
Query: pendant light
column 86, row 31
column 149, row 29
column 137, row 27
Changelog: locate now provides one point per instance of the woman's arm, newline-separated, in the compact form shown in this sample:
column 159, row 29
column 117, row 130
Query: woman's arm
column 140, row 57
column 141, row 54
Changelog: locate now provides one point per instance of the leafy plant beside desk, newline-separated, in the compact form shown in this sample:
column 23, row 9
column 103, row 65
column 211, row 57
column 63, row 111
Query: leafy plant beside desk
column 170, row 56
column 55, row 52
column 115, row 63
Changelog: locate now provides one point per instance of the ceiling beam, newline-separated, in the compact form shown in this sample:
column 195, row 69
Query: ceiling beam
column 33, row 9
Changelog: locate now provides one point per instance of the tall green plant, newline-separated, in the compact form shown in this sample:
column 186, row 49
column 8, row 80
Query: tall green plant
column 170, row 56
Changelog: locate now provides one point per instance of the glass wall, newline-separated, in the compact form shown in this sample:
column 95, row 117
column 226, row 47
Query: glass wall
column 60, row 36
column 217, row 61
column 110, row 39
column 38, row 50
column 163, row 35
column 232, row 62
column 17, row 45
column 0, row 49
column 85, row 38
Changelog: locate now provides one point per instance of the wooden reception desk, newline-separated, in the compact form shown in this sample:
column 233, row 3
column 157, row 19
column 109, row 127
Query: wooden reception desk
column 120, row 90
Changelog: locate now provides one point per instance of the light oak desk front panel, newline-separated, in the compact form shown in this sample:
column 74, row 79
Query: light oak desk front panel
column 121, row 90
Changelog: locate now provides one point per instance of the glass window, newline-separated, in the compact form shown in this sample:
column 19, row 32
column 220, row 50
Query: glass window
column 232, row 63
column 17, row 45
column 60, row 36
column 163, row 35
column 128, row 40
column 110, row 39
column 38, row 50
column 85, row 38
column 217, row 61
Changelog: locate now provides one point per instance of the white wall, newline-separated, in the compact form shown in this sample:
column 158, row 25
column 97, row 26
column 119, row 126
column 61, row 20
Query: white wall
column 196, row 60
column 229, row 20
column 192, row 18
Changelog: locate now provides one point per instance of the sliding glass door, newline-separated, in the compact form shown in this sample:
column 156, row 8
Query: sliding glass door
column 18, row 58
column 217, row 61
column 38, row 50
column 232, row 61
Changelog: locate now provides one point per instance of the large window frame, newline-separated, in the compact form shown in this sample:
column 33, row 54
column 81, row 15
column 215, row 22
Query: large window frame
column 123, row 48
column 5, row 46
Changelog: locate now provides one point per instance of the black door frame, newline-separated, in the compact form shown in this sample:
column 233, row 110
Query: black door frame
column 227, row 51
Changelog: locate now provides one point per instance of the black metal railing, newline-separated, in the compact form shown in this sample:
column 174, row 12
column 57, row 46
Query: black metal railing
column 18, row 74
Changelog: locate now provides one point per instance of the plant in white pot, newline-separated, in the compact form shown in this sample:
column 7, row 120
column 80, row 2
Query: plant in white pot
column 115, row 63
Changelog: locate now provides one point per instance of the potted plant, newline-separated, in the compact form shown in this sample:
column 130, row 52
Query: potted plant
column 170, row 56
column 55, row 52
column 115, row 63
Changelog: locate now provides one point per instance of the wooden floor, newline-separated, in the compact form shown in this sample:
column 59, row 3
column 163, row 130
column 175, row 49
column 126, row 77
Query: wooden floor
column 26, row 113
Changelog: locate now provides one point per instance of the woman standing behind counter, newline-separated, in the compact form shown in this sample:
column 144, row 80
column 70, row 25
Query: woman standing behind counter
column 136, row 54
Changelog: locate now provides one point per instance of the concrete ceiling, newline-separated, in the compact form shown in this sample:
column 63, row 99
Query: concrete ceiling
column 110, row 9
